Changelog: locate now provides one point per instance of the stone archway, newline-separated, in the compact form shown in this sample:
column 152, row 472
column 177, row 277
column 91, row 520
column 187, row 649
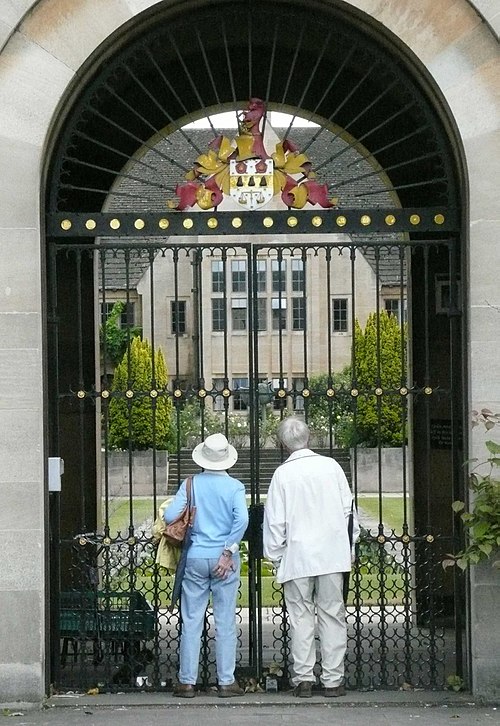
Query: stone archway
column 37, row 66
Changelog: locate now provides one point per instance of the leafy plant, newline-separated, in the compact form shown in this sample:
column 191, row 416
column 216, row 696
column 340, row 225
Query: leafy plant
column 114, row 337
column 482, row 516
column 455, row 683
column 380, row 363
column 331, row 414
column 143, row 420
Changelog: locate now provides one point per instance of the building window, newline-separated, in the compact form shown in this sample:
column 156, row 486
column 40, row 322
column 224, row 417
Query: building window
column 218, row 315
column 239, row 275
column 261, row 313
column 217, row 276
column 178, row 316
column 393, row 307
column 239, row 313
column 240, row 398
column 127, row 317
column 339, row 315
column 298, row 313
column 278, row 269
column 298, row 276
column 278, row 308
column 261, row 276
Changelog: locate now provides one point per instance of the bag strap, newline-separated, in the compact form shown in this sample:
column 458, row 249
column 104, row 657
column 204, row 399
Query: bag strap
column 189, row 483
column 190, row 499
column 350, row 523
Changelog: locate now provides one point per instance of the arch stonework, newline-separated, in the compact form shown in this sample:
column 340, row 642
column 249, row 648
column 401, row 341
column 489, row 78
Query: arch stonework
column 45, row 44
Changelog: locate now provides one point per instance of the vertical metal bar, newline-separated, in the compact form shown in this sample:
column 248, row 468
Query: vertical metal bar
column 307, row 312
column 405, row 545
column 81, row 387
column 329, row 303
column 427, row 471
column 457, row 435
column 427, row 382
column 54, row 497
column 104, row 401
column 382, row 544
column 130, row 401
column 255, row 644
column 358, row 597
column 280, row 326
column 154, row 382
column 176, row 378
column 255, row 405
column 197, row 317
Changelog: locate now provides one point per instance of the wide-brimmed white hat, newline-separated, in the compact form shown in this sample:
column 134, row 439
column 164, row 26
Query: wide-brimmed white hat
column 215, row 453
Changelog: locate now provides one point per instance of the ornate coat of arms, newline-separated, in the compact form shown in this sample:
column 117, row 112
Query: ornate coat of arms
column 244, row 170
column 251, row 182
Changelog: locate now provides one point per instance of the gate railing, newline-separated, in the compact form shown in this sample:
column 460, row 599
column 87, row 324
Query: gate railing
column 117, row 632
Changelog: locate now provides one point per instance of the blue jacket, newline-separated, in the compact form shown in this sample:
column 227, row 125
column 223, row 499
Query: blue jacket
column 221, row 513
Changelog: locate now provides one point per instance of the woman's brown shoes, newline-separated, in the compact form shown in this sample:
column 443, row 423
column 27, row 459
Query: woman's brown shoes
column 184, row 690
column 233, row 689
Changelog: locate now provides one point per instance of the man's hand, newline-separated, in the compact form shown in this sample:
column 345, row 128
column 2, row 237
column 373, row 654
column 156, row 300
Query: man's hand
column 224, row 566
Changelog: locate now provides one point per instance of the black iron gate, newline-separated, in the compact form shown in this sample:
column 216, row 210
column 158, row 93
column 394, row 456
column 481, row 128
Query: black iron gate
column 252, row 332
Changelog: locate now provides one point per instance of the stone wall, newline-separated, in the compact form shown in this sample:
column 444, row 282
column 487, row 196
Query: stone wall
column 143, row 473
column 367, row 478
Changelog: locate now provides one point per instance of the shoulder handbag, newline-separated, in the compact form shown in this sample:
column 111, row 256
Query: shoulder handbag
column 175, row 531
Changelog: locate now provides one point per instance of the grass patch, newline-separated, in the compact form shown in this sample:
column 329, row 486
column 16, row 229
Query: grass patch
column 392, row 510
column 119, row 518
column 367, row 584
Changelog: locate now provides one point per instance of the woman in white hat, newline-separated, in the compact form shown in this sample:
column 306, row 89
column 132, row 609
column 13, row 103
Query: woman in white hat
column 213, row 563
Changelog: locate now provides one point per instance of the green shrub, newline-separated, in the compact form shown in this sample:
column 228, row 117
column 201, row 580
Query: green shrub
column 481, row 516
column 113, row 337
column 379, row 364
column 325, row 415
column 144, row 420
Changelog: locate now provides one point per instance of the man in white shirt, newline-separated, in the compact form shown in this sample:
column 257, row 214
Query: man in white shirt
column 305, row 535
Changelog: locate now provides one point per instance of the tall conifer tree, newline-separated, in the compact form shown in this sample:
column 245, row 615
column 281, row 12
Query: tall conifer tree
column 380, row 364
column 145, row 419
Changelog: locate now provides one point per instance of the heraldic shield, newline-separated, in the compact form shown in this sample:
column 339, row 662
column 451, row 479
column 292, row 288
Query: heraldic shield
column 251, row 182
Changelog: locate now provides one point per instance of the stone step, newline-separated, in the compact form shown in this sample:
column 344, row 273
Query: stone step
column 181, row 465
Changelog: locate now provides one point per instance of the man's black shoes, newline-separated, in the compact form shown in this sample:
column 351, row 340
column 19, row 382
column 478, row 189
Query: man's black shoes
column 303, row 689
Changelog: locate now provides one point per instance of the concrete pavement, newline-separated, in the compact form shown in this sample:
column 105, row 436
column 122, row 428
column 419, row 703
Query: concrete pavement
column 400, row 708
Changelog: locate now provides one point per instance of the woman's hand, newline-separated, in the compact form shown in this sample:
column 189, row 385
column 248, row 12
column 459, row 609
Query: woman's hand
column 224, row 566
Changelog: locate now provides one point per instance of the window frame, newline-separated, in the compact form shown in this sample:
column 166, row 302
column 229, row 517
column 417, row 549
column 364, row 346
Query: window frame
column 344, row 317
column 181, row 313
column 278, row 276
column 299, row 310
column 217, row 270
column 238, row 276
column 239, row 303
column 282, row 309
column 298, row 275
column 220, row 303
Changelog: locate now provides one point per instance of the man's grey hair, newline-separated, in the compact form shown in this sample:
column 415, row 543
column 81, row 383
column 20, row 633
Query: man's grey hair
column 294, row 433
